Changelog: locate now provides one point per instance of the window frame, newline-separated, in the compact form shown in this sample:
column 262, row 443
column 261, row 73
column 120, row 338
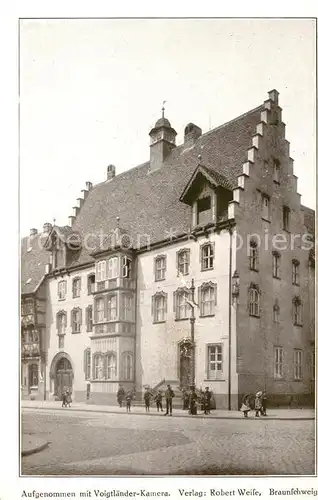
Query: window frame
column 76, row 287
column 160, row 272
column 219, row 350
column 76, row 310
column 207, row 258
column 110, row 308
column 295, row 272
column 178, row 294
column 183, row 252
column 276, row 313
column 155, row 310
column 100, row 271
column 61, row 285
column 278, row 363
column 276, row 264
column 254, row 301
column 298, row 364
column 212, row 288
column 89, row 318
column 128, row 368
column 90, row 285
column 59, row 324
column 110, row 356
column 276, row 171
column 100, row 366
column 297, row 311
column 253, row 256
column 127, row 296
column 87, row 363
column 266, row 208
column 286, row 218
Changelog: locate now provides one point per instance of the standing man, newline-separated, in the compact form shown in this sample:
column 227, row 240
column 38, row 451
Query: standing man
column 264, row 404
column 169, row 394
column 120, row 396
column 207, row 401
column 158, row 399
column 147, row 397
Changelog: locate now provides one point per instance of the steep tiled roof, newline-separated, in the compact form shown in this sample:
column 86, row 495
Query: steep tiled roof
column 33, row 260
column 147, row 203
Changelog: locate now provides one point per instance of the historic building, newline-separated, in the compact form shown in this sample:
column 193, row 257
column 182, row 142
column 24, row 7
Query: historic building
column 196, row 265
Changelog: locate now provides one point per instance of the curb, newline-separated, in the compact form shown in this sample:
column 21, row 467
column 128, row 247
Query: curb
column 204, row 417
column 31, row 451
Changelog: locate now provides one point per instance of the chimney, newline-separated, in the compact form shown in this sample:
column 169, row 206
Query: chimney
column 191, row 134
column 111, row 172
column 47, row 227
column 273, row 95
column 47, row 268
column 33, row 232
column 71, row 220
column 89, row 186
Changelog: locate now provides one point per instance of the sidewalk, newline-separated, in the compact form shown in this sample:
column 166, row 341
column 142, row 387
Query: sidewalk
column 273, row 414
column 30, row 444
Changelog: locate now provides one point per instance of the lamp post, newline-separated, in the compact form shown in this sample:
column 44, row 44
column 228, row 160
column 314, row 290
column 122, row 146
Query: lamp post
column 192, row 321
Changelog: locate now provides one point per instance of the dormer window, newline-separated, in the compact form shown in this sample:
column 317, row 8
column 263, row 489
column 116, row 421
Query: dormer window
column 204, row 210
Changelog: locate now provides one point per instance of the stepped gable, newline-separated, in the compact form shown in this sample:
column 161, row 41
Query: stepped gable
column 148, row 202
column 33, row 260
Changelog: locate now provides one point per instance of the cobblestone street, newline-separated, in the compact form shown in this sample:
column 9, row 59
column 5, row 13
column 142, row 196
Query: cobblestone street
column 111, row 444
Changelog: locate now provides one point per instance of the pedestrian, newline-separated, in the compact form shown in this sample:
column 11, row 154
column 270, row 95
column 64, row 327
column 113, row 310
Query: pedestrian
column 147, row 397
column 201, row 399
column 258, row 403
column 246, row 405
column 206, row 401
column 185, row 398
column 169, row 395
column 64, row 394
column 68, row 398
column 120, row 395
column 158, row 399
column 128, row 401
column 193, row 399
column 212, row 402
column 264, row 404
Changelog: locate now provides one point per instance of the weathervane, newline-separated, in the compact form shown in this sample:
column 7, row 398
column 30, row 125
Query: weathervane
column 163, row 108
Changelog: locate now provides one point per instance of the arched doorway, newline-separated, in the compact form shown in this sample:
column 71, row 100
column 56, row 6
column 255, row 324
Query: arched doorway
column 185, row 352
column 63, row 377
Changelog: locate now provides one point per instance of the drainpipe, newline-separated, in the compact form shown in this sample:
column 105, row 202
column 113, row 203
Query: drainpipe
column 230, row 319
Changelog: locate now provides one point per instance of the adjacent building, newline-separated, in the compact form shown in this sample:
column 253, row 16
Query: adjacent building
column 212, row 229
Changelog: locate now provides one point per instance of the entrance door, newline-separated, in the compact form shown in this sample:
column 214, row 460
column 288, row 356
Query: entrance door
column 185, row 365
column 63, row 377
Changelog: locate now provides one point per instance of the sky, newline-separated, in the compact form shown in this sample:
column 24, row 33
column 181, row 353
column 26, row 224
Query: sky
column 91, row 90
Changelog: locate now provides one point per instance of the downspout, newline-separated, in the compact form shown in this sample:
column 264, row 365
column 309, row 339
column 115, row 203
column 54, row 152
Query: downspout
column 230, row 319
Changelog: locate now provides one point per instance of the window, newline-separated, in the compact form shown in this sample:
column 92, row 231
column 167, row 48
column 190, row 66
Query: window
column 111, row 307
column 183, row 261
column 276, row 265
column 112, row 268
column 254, row 296
column 101, row 270
column 278, row 362
column 127, row 307
column 76, row 287
column 76, row 320
column 61, row 290
column 295, row 273
column 286, row 217
column 160, row 268
column 207, row 294
column 215, row 361
column 276, row 174
column 99, row 367
column 204, row 210
column 182, row 306
column 61, row 341
column 90, row 284
column 126, row 267
column 87, row 363
column 297, row 312
column 159, row 307
column 298, row 358
column 128, row 366
column 33, row 375
column 265, row 207
column 110, row 366
column 61, row 321
column 100, row 309
column 276, row 312
column 207, row 256
column 89, row 319
column 253, row 255
column 27, row 307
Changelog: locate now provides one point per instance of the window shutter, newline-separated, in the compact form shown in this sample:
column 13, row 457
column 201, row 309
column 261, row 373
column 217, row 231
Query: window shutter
column 85, row 363
column 87, row 316
column 153, row 298
column 72, row 319
column 105, row 308
column 166, row 302
column 200, row 298
column 174, row 301
column 80, row 316
column 215, row 294
column 105, row 362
